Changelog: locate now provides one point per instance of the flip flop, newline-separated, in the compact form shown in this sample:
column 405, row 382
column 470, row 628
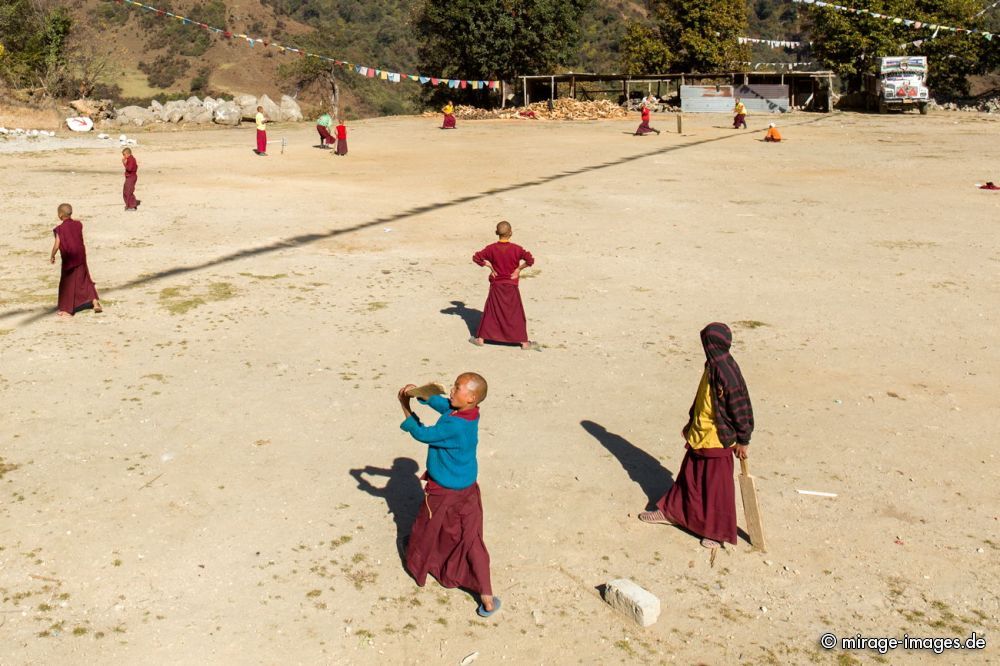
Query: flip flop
column 482, row 612
column 654, row 518
column 710, row 543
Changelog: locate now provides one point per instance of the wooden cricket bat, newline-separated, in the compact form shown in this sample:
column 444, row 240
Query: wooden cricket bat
column 427, row 390
column 751, row 507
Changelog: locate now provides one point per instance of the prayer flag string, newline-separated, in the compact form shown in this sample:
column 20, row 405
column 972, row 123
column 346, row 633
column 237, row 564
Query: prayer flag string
column 371, row 72
column 909, row 23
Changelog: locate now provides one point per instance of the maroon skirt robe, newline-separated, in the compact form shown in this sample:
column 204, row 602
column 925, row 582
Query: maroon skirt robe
column 342, row 146
column 503, row 315
column 128, row 190
column 447, row 540
column 644, row 128
column 76, row 289
column 449, row 121
column 325, row 138
column 261, row 141
column 703, row 498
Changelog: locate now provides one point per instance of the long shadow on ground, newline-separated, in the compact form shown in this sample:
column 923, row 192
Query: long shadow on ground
column 402, row 493
column 470, row 316
column 306, row 239
column 654, row 479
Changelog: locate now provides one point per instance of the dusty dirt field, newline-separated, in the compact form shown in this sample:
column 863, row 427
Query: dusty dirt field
column 177, row 479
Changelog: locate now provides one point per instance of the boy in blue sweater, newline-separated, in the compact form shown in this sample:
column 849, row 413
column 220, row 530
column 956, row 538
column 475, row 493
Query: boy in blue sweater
column 447, row 537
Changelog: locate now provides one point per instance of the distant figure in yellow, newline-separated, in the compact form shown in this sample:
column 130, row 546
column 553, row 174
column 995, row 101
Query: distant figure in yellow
column 449, row 116
column 773, row 135
column 740, row 118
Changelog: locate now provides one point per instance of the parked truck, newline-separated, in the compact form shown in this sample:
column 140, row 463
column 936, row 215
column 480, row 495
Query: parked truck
column 899, row 82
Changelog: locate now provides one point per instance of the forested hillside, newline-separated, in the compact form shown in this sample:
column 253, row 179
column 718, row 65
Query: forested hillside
column 102, row 48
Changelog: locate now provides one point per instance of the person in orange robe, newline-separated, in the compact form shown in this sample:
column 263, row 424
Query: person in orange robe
column 76, row 289
column 773, row 135
column 503, row 315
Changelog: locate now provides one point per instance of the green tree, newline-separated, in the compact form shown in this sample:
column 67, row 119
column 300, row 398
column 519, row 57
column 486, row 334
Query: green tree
column 495, row 39
column 35, row 43
column 850, row 44
column 642, row 51
column 702, row 34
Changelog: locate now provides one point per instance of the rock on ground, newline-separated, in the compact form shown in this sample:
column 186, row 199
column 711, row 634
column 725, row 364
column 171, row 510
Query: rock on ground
column 290, row 110
column 271, row 110
column 227, row 113
column 639, row 604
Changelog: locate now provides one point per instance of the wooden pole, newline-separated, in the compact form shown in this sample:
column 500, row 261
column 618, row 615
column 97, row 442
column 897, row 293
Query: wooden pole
column 680, row 123
column 552, row 88
column 524, row 87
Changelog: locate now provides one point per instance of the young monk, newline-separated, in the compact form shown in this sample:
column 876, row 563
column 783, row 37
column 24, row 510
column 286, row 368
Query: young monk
column 644, row 127
column 261, row 121
column 341, row 137
column 131, row 175
column 773, row 135
column 76, row 289
column 703, row 499
column 739, row 114
column 449, row 116
column 323, row 125
column 447, row 537
column 503, row 315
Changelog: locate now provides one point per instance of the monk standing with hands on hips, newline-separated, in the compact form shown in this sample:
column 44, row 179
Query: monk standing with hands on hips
column 503, row 315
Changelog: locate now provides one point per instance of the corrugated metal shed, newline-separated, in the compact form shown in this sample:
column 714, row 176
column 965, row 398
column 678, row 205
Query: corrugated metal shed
column 761, row 98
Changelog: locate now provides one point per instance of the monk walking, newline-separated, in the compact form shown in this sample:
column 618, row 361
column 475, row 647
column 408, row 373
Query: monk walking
column 739, row 114
column 503, row 315
column 447, row 537
column 76, row 289
column 703, row 499
column 341, row 138
column 131, row 175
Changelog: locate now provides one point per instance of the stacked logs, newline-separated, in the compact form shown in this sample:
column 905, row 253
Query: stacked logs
column 562, row 109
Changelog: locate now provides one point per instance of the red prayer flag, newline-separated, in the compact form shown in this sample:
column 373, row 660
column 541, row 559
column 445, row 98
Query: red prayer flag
column 434, row 81
column 463, row 83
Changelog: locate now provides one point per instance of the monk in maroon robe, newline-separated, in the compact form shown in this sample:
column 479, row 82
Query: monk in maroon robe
column 131, row 175
column 644, row 127
column 703, row 498
column 503, row 315
column 76, row 289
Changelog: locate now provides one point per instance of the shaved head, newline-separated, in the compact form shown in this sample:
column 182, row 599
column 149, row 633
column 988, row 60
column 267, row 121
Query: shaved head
column 503, row 229
column 65, row 210
column 474, row 383
column 126, row 151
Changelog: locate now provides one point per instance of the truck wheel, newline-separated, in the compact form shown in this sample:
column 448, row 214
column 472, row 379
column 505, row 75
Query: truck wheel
column 923, row 109
column 882, row 106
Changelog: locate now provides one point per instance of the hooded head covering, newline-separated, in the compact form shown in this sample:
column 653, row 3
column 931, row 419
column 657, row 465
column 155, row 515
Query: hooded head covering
column 730, row 397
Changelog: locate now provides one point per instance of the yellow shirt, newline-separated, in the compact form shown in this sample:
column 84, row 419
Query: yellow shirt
column 448, row 108
column 260, row 121
column 740, row 108
column 701, row 432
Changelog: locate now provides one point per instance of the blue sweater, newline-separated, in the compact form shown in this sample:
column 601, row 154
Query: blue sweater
column 452, row 441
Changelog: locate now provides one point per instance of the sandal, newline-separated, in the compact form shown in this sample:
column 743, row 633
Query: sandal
column 473, row 342
column 710, row 543
column 655, row 517
column 482, row 612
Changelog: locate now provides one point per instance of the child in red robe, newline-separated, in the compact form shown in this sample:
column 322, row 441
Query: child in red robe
column 76, row 289
column 341, row 137
column 447, row 537
column 703, row 498
column 131, row 175
column 644, row 127
column 503, row 315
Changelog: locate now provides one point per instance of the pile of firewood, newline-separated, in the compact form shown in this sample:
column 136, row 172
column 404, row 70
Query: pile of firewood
column 562, row 109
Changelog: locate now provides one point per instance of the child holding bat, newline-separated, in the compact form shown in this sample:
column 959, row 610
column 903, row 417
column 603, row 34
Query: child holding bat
column 447, row 537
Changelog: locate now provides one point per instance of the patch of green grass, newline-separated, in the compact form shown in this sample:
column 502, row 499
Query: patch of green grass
column 377, row 305
column 6, row 467
column 5, row 331
column 750, row 323
column 179, row 300
column 79, row 631
column 276, row 276
column 626, row 647
column 314, row 593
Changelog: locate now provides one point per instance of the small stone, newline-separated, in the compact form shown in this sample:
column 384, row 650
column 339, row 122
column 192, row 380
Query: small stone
column 470, row 658
column 763, row 609
column 537, row 616
column 979, row 550
column 768, row 562
column 632, row 600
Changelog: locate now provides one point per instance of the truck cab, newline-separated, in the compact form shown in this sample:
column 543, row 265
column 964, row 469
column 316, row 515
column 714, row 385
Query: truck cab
column 899, row 82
